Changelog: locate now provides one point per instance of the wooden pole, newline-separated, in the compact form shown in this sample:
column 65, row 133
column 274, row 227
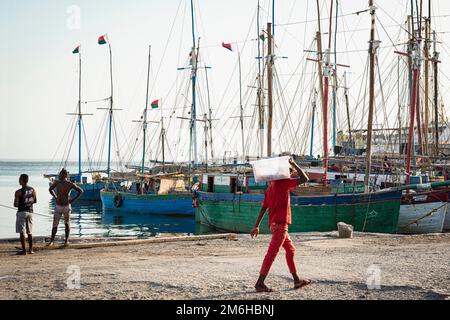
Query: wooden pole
column 110, row 112
column 426, row 53
column 270, row 88
column 163, row 137
column 436, row 94
column 260, row 88
column 348, row 112
column 80, row 117
column 210, row 115
column 144, row 124
column 319, row 53
column 372, row 51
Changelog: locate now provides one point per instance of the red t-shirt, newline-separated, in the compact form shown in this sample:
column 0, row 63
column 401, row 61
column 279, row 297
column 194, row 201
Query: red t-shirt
column 278, row 200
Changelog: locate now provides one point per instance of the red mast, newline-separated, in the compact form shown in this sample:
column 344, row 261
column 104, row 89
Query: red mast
column 326, row 74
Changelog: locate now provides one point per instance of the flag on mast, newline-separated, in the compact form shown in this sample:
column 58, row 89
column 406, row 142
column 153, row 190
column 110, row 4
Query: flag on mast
column 102, row 40
column 76, row 50
column 155, row 104
column 227, row 46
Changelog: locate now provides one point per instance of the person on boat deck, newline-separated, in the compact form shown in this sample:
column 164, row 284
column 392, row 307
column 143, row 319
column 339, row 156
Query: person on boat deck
column 387, row 164
column 277, row 200
column 24, row 198
column 63, row 187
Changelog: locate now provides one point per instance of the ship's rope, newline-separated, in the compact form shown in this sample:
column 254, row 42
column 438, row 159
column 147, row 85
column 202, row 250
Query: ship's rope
column 433, row 211
column 36, row 213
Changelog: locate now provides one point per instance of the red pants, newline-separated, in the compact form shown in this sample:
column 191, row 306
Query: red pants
column 280, row 237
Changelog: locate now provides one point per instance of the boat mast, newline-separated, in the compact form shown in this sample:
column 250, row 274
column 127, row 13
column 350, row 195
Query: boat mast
column 270, row 88
column 144, row 124
column 419, row 124
column 415, row 55
column 80, row 117
column 348, row 111
column 108, row 170
column 335, row 78
column 426, row 53
column 260, row 88
column 163, row 137
column 326, row 75
column 436, row 86
column 373, row 45
column 313, row 117
column 241, row 109
column 210, row 114
column 205, row 120
column 193, row 79
column 319, row 54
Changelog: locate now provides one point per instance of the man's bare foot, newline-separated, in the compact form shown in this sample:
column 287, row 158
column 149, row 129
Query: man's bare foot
column 30, row 252
column 21, row 253
column 50, row 244
column 301, row 283
column 66, row 244
column 261, row 287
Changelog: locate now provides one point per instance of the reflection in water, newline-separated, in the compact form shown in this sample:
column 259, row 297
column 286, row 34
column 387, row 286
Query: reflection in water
column 88, row 218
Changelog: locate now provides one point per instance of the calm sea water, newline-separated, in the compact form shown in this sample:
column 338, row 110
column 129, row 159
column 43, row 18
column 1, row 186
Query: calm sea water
column 88, row 219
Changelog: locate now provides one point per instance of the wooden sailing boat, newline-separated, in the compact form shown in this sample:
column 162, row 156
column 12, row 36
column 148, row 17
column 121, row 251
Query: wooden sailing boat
column 163, row 193
column 231, row 201
column 424, row 212
column 91, row 188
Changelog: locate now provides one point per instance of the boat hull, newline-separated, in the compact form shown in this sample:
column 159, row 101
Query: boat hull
column 377, row 212
column 149, row 204
column 423, row 213
column 447, row 219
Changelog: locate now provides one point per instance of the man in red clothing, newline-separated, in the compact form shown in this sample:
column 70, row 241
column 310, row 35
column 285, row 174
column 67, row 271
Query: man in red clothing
column 277, row 200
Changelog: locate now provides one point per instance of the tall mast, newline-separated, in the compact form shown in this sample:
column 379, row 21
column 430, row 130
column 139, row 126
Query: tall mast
column 194, row 79
column 108, row 170
column 205, row 120
column 210, row 114
column 144, row 124
column 326, row 75
column 319, row 54
column 418, row 117
column 241, row 109
column 373, row 45
column 415, row 59
column 436, row 94
column 426, row 53
column 348, row 111
column 270, row 88
column 163, row 137
column 260, row 88
column 335, row 77
column 273, row 17
column 80, row 117
column 313, row 117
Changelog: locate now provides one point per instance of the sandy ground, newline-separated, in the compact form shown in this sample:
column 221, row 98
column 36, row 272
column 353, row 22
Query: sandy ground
column 411, row 267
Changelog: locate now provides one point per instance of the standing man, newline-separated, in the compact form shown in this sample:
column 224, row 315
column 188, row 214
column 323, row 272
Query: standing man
column 277, row 200
column 63, row 203
column 24, row 199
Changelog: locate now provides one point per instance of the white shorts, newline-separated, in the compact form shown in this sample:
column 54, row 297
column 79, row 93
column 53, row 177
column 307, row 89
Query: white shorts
column 61, row 211
column 24, row 222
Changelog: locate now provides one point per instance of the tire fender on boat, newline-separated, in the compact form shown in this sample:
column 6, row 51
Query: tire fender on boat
column 118, row 200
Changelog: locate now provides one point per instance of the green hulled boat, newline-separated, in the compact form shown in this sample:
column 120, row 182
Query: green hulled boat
column 231, row 202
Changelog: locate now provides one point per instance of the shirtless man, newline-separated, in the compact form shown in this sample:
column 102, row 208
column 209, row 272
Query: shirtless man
column 63, row 203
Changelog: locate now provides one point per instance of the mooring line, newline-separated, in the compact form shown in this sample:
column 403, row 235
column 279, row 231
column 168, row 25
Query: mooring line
column 15, row 209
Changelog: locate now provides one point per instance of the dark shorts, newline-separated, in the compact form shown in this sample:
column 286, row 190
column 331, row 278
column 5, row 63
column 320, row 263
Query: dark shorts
column 24, row 222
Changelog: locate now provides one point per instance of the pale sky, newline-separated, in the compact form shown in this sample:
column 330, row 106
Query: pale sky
column 39, row 74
